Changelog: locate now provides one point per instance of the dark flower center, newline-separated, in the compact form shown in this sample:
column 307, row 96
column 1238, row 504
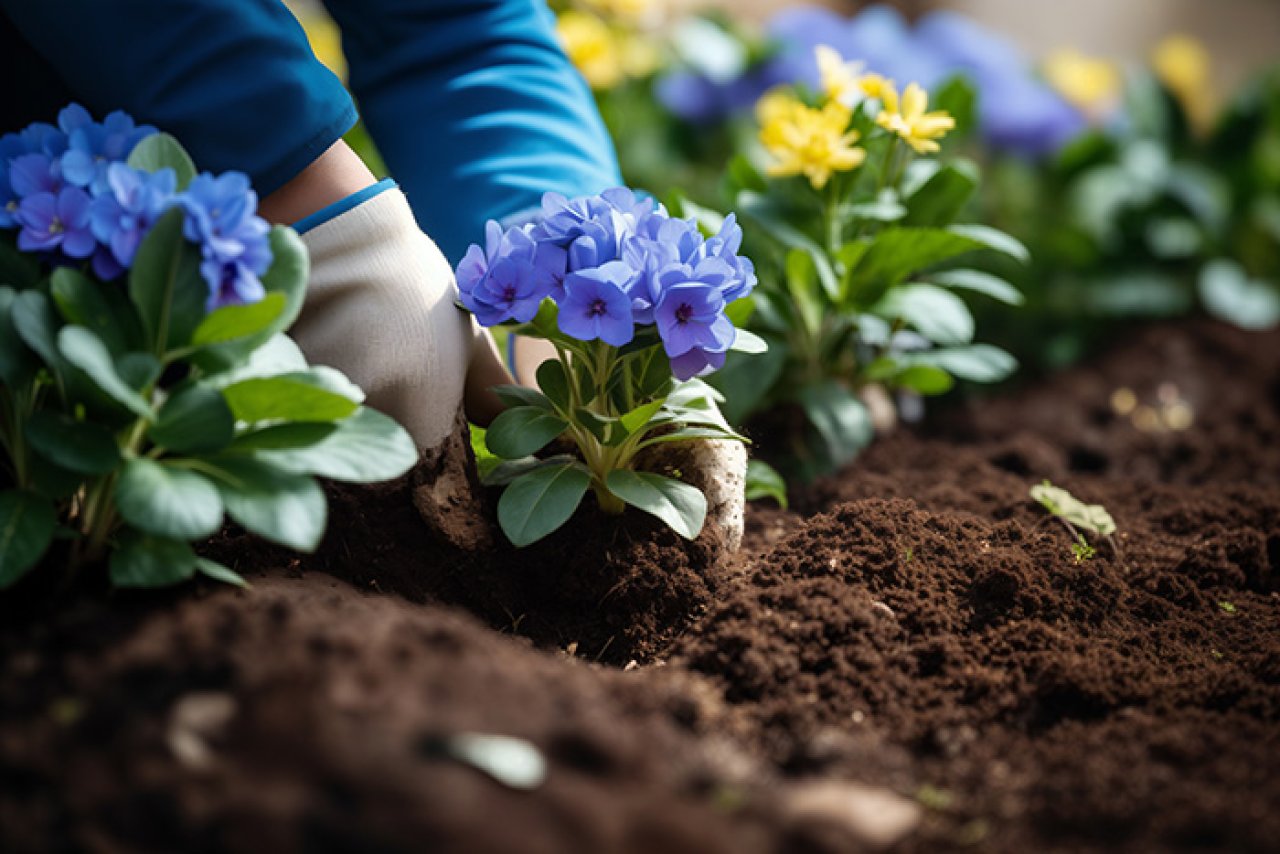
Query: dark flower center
column 683, row 313
column 509, row 293
column 55, row 226
column 597, row 308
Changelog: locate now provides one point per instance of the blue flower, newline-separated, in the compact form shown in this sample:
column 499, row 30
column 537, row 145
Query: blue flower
column 56, row 222
column 590, row 228
column 93, row 147
column 509, row 278
column 221, row 218
column 135, row 200
column 724, row 248
column 30, row 174
column 596, row 304
column 690, row 316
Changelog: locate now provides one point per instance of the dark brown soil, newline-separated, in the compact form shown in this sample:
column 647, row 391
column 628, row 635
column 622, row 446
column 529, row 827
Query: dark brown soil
column 915, row 624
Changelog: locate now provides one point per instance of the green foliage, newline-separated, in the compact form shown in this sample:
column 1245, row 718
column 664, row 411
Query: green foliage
column 763, row 481
column 609, row 404
column 866, row 280
column 1076, row 516
column 137, row 420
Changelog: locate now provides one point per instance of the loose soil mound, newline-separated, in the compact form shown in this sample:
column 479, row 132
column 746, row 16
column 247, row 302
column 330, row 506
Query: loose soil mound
column 915, row 625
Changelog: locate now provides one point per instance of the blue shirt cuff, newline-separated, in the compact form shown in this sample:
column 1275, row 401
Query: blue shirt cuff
column 338, row 208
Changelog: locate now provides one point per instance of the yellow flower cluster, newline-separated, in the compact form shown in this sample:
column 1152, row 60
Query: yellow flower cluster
column 817, row 142
column 605, row 55
column 812, row 141
column 910, row 119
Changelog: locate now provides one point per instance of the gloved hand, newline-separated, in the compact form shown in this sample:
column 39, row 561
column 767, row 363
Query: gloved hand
column 381, row 308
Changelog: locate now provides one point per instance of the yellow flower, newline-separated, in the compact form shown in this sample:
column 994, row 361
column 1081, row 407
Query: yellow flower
column 911, row 121
column 1182, row 64
column 1091, row 84
column 840, row 80
column 879, row 88
column 639, row 54
column 592, row 47
column 814, row 142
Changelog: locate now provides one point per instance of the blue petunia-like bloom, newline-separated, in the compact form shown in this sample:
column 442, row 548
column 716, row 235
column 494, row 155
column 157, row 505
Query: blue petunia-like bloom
column 121, row 218
column 510, row 277
column 690, row 317
column 221, row 218
column 56, row 222
column 92, row 147
column 596, row 304
column 613, row 262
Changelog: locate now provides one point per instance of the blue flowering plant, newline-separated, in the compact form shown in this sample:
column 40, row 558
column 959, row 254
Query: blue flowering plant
column 147, row 390
column 638, row 306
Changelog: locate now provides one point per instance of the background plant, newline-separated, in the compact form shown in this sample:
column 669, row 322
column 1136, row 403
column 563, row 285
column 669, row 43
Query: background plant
column 864, row 259
column 146, row 387
column 636, row 304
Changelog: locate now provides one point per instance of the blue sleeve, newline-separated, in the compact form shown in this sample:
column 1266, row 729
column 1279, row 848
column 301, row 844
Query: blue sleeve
column 233, row 80
column 474, row 107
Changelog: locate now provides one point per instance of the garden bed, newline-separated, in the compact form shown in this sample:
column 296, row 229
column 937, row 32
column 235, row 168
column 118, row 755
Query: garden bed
column 915, row 626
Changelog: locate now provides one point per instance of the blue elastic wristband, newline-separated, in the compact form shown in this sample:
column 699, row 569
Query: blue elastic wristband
column 341, row 206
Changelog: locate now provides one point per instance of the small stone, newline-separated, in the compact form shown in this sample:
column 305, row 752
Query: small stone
column 1123, row 401
column 882, row 610
column 196, row 719
column 872, row 816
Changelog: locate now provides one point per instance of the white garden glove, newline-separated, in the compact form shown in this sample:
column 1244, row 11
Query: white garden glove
column 381, row 308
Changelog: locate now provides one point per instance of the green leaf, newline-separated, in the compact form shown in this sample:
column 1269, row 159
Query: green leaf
column 802, row 283
column 218, row 572
column 287, row 278
column 27, row 523
column 925, row 379
column 238, row 321
column 978, row 282
column 539, row 502
column 85, row 350
column 763, row 481
column 895, row 254
column 161, row 151
column 17, row 364
column 167, row 501
column 840, row 418
column 523, row 430
column 51, row 480
column 681, row 506
column 288, row 509
column 639, row 418
column 941, row 198
column 1230, row 295
column 37, row 324
column 77, row 446
column 1059, row 502
column 285, row 436
column 685, row 434
column 994, row 240
column 143, row 561
column 165, row 284
column 368, row 447
column 518, row 395
column 980, row 363
column 554, row 382
column 289, row 397
column 777, row 225
column 881, row 210
column 195, row 420
column 746, row 341
column 938, row 315
column 98, row 307
column 741, row 175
